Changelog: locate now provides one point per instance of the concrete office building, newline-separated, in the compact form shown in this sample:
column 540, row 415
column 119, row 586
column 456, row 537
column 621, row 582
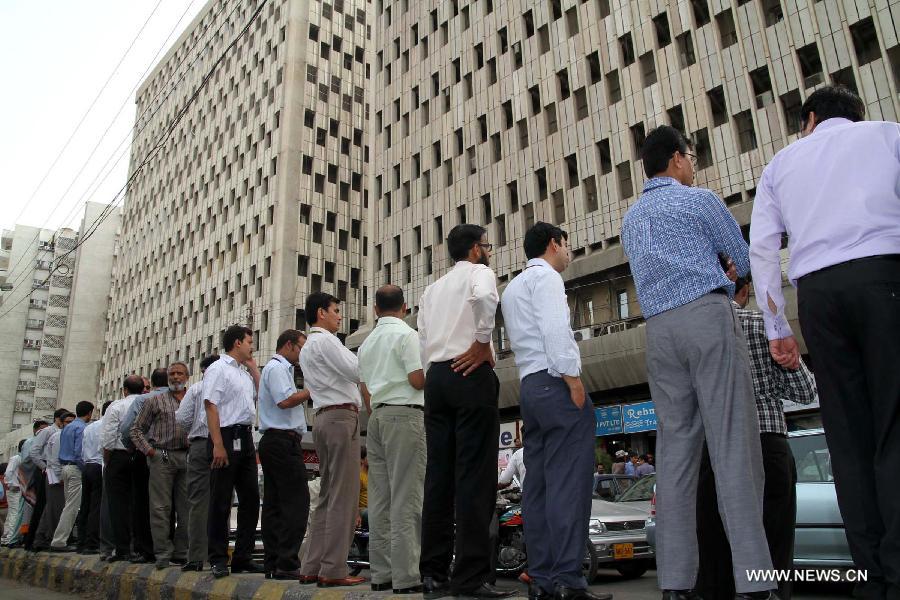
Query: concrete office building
column 255, row 199
column 504, row 112
column 52, row 318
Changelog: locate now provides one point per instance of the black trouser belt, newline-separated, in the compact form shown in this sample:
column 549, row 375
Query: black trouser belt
column 413, row 406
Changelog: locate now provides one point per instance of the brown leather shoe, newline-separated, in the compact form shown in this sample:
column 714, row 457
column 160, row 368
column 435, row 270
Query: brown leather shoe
column 308, row 578
column 349, row 580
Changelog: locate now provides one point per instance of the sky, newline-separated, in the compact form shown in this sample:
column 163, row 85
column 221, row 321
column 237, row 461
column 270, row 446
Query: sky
column 55, row 58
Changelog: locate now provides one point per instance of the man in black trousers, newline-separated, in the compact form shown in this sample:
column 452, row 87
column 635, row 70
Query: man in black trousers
column 229, row 393
column 835, row 192
column 282, row 422
column 462, row 425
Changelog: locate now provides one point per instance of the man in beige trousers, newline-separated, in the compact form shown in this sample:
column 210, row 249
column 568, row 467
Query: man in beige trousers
column 331, row 374
column 392, row 378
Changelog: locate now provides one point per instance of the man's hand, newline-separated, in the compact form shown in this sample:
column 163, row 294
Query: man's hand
column 220, row 456
column 251, row 365
column 474, row 357
column 576, row 389
column 786, row 352
column 152, row 453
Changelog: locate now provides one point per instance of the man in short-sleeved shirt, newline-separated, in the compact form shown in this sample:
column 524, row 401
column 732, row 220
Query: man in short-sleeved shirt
column 390, row 368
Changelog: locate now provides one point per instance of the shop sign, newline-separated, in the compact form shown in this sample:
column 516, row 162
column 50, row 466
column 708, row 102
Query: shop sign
column 639, row 417
column 609, row 420
column 508, row 434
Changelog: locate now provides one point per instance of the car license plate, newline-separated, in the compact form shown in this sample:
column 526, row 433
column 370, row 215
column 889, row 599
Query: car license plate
column 623, row 551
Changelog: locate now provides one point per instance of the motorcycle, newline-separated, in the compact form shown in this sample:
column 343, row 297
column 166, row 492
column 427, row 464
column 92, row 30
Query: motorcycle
column 511, row 556
column 358, row 558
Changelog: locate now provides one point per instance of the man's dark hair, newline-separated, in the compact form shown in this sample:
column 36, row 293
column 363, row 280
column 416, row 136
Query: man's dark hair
column 37, row 425
column 133, row 384
column 204, row 364
column 833, row 101
column 538, row 238
column 462, row 239
column 314, row 302
column 160, row 377
column 644, row 457
column 389, row 298
column 106, row 405
column 3, row 469
column 67, row 415
column 289, row 335
column 83, row 409
column 59, row 413
column 21, row 443
column 233, row 335
column 661, row 143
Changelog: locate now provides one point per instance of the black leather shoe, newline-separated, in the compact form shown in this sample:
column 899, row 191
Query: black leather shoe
column 416, row 589
column 564, row 593
column 219, row 571
column 536, row 592
column 178, row 561
column 767, row 595
column 488, row 590
column 284, row 575
column 63, row 549
column 192, row 566
column 431, row 585
column 681, row 595
column 247, row 567
column 139, row 559
column 381, row 587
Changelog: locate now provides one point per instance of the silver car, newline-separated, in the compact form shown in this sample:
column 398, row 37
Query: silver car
column 618, row 536
column 819, row 538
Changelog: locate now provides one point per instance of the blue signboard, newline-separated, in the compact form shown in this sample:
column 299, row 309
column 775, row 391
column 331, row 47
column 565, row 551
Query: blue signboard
column 609, row 420
column 639, row 417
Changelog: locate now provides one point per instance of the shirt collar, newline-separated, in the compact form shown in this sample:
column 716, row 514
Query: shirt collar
column 538, row 262
column 319, row 330
column 388, row 320
column 658, row 182
column 229, row 360
column 282, row 360
column 462, row 264
column 829, row 123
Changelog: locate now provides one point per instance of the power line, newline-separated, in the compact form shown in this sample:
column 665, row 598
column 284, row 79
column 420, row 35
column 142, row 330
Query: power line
column 153, row 151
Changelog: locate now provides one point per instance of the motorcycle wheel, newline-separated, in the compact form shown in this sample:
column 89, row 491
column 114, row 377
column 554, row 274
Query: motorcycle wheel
column 633, row 569
column 591, row 563
column 354, row 571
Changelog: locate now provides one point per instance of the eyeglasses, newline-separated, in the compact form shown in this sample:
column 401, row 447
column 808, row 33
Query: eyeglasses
column 692, row 156
column 487, row 247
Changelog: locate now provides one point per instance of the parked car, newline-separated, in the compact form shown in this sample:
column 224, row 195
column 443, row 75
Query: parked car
column 819, row 537
column 618, row 534
column 609, row 486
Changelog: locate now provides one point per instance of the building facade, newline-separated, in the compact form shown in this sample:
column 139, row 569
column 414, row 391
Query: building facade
column 52, row 318
column 256, row 197
column 505, row 112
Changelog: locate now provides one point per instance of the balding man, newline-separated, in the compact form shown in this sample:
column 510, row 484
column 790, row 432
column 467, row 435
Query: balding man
column 157, row 435
column 392, row 381
column 118, row 463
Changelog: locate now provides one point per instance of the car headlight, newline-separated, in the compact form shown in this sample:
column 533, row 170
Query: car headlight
column 596, row 527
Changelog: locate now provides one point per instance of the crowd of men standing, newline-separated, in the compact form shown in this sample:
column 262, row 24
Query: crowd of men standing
column 172, row 457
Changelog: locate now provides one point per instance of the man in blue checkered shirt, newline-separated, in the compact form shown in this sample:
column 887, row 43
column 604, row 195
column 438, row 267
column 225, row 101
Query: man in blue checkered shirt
column 698, row 366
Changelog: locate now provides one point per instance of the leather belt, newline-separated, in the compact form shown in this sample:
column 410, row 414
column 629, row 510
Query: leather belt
column 413, row 406
column 287, row 432
column 346, row 406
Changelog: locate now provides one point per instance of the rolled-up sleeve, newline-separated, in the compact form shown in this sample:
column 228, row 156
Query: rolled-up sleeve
column 280, row 384
column 213, row 386
column 484, row 300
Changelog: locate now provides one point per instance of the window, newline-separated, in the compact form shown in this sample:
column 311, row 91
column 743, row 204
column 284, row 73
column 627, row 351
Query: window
column 810, row 65
column 626, row 49
column 676, row 118
column 593, row 63
column 522, row 127
column 559, row 207
column 590, row 194
column 865, row 41
column 791, row 104
column 562, row 78
column 528, row 215
column 604, row 157
column 727, row 30
column 845, row 77
column 512, row 194
column 686, row 55
column 613, row 89
column 637, row 138
column 702, row 149
column 572, row 170
column 701, row 12
column 544, row 39
column 762, row 86
column 572, row 21
column 501, row 231
column 746, row 134
column 496, row 147
column 663, row 33
column 581, row 104
column 540, row 181
column 486, row 215
column 460, row 214
column 535, row 93
column 648, row 69
column 550, row 119
column 622, row 303
column 717, row 106
column 626, row 188
column 772, row 12
column 603, row 8
column 439, row 230
column 528, row 21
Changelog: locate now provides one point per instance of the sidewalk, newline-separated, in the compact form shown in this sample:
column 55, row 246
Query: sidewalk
column 88, row 576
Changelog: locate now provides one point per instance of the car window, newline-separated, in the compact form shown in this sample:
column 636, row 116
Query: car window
column 624, row 484
column 812, row 457
column 605, row 489
column 642, row 489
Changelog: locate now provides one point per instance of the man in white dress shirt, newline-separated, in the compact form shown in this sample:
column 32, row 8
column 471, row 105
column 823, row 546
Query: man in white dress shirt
column 118, row 474
column 282, row 421
column 229, row 395
column 191, row 415
column 92, row 487
column 56, row 498
column 331, row 374
column 34, row 456
column 559, row 419
column 462, row 425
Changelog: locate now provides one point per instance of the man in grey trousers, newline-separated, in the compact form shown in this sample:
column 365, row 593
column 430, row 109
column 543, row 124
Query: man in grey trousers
column 698, row 366
column 191, row 415
column 392, row 383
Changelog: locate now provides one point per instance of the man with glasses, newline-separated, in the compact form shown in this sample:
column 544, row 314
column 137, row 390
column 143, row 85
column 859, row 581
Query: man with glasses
column 698, row 365
column 462, row 425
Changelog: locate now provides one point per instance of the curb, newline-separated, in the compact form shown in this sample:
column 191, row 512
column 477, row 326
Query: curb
column 87, row 575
